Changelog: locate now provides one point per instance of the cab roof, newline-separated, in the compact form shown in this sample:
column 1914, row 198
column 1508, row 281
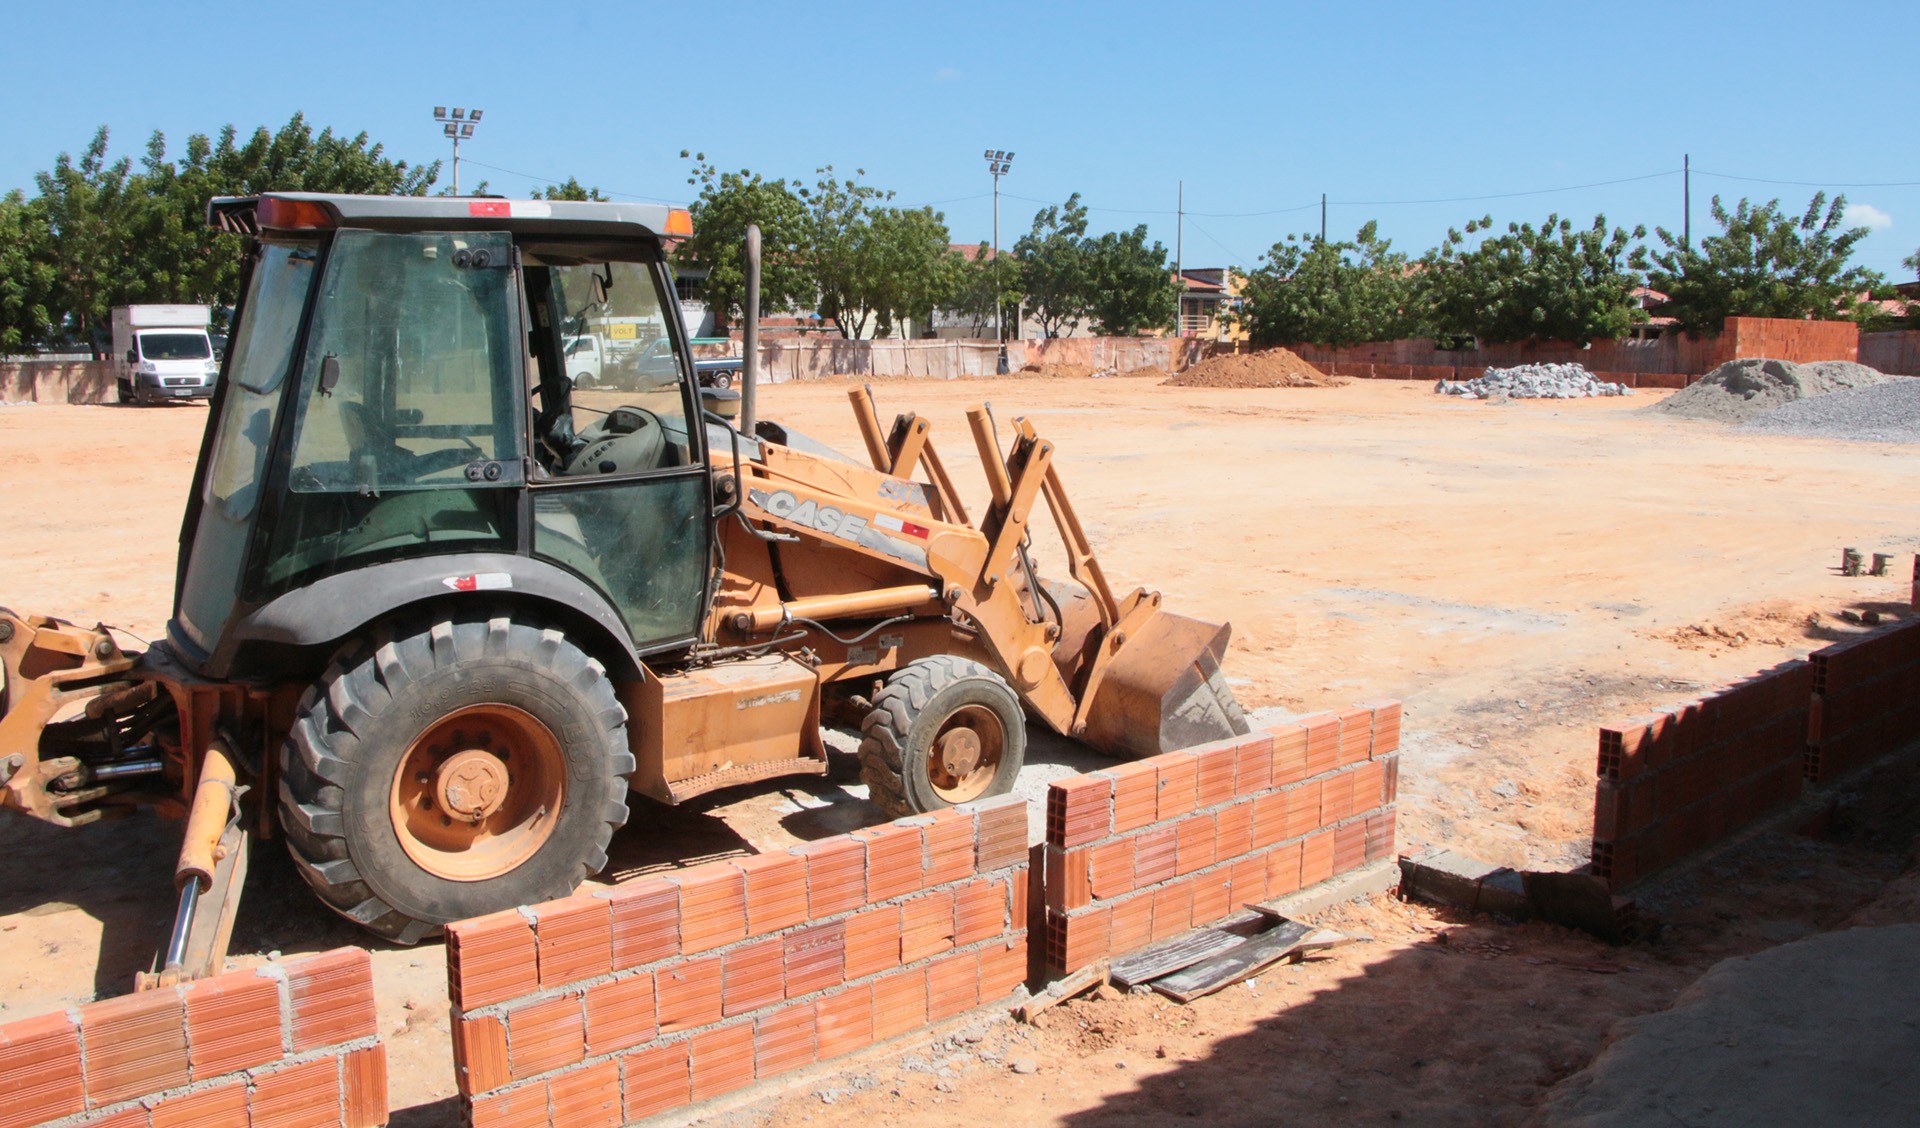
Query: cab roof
column 298, row 211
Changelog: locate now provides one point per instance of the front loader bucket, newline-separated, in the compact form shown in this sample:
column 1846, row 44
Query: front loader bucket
column 1163, row 690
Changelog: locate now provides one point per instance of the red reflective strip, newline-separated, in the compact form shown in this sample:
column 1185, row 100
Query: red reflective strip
column 498, row 208
column 467, row 583
column 913, row 530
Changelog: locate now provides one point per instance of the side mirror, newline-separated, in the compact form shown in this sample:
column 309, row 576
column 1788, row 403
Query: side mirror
column 329, row 373
column 133, row 357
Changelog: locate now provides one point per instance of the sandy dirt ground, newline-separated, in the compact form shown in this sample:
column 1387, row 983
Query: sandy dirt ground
column 1516, row 574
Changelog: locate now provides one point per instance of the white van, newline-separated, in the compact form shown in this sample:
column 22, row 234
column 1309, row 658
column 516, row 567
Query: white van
column 586, row 361
column 162, row 352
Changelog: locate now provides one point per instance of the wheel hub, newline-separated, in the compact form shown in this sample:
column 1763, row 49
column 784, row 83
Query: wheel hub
column 959, row 752
column 471, row 785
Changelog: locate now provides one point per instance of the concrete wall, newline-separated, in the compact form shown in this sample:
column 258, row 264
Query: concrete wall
column 285, row 1043
column 813, row 358
column 1897, row 354
column 57, row 381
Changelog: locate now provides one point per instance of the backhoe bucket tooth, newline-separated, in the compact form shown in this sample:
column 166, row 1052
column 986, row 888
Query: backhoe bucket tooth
column 1162, row 691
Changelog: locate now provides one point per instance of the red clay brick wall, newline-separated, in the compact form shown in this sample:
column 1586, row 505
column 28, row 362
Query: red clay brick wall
column 1689, row 777
column 1782, row 339
column 602, row 1008
column 1866, row 700
column 292, row 1044
column 1147, row 849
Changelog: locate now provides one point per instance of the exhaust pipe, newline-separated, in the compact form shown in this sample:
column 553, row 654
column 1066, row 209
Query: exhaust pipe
column 750, row 342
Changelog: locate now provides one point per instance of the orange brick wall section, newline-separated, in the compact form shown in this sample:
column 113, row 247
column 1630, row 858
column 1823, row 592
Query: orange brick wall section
column 607, row 1007
column 1684, row 779
column 1148, row 849
column 289, row 1043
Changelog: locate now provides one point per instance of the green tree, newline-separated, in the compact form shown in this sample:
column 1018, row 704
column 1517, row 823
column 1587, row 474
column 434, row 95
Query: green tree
column 1132, row 288
column 571, row 190
column 26, row 273
column 1055, row 267
column 727, row 203
column 912, row 268
column 986, row 282
column 1763, row 263
column 839, row 248
column 1332, row 294
column 1912, row 262
column 1551, row 283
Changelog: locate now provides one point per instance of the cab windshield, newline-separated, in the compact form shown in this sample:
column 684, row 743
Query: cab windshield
column 175, row 346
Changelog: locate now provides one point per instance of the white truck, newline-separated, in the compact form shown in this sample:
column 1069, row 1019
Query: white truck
column 162, row 352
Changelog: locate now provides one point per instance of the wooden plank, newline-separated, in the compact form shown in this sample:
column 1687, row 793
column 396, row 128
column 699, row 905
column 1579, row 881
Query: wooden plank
column 1184, row 950
column 1060, row 990
column 1234, row 965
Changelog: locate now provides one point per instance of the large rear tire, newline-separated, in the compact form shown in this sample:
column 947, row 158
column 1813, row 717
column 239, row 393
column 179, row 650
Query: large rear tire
column 456, row 769
column 942, row 731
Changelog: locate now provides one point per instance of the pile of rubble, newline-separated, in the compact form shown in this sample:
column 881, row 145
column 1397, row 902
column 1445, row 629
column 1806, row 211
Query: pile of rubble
column 1533, row 381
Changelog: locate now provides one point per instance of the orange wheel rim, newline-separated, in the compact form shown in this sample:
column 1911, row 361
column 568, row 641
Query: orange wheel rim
column 966, row 754
column 478, row 793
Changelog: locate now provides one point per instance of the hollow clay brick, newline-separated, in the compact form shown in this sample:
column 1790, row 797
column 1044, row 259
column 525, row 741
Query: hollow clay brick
column 949, row 848
column 655, row 1079
column 480, row 1053
column 1000, row 829
column 1136, row 794
column 713, row 906
column 1283, row 870
column 1194, row 839
column 1336, row 797
column 1132, row 927
column 873, row 941
column 1323, row 743
column 1233, row 837
column 620, row 1014
column 363, row 1075
column 753, row 975
column 296, row 1096
column 1316, row 858
column 1356, row 734
column 39, row 1070
column 546, row 1034
column 687, row 994
column 899, row 1003
column 1252, row 763
column 1179, row 785
column 776, row 889
column 1350, row 846
column 1248, row 880
column 1215, row 765
column 1303, row 810
column 953, row 985
column 136, row 1044
column 574, row 937
column 980, row 910
column 1155, row 857
column 1079, row 810
column 816, row 958
column 1172, row 909
column 721, row 1060
column 843, row 1021
column 523, row 1106
column 894, row 855
column 1003, row 966
column 491, row 959
column 1212, row 896
column 332, row 996
column 233, row 1023
column 204, row 1108
column 1067, row 883
column 926, row 926
column 836, row 875
column 1289, row 754
column 1110, row 868
column 587, row 1097
column 783, row 1041
column 645, row 920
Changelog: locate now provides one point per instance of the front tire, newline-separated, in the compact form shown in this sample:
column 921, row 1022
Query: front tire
column 942, row 731
column 462, row 768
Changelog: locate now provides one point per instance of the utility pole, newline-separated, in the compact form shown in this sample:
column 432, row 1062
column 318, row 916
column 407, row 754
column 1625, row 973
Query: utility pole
column 1323, row 217
column 460, row 125
column 1686, row 200
column 1179, row 275
column 999, row 163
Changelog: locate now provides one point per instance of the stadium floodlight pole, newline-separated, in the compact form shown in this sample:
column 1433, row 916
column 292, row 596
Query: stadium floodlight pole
column 457, row 125
column 999, row 163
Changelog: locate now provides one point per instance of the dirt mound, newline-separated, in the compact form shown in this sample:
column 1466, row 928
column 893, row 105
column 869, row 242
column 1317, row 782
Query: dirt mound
column 1060, row 371
column 1146, row 372
column 1741, row 389
column 1274, row 368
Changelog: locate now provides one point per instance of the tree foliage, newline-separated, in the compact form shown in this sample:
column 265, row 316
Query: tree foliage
column 988, row 281
column 1763, row 263
column 1131, row 285
column 1055, row 268
column 571, row 190
column 727, row 203
column 1912, row 262
column 1551, row 283
column 1332, row 294
column 913, row 267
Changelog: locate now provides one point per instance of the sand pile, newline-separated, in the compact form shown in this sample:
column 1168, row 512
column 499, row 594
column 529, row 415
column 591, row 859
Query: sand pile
column 1059, row 371
column 1884, row 412
column 1273, row 368
column 1739, row 390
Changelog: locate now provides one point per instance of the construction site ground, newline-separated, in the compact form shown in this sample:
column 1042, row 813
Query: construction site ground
column 1516, row 573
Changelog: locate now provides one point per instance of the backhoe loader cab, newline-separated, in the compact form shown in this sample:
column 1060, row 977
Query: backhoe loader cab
column 440, row 611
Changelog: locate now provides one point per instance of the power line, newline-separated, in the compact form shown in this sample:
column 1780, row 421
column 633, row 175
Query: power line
column 1236, row 255
column 1812, row 183
column 1505, row 195
column 553, row 180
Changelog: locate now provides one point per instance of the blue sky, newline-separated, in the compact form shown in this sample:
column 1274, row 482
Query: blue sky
column 1257, row 108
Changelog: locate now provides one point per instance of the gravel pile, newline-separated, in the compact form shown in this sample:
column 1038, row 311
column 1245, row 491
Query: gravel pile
column 1533, row 381
column 1885, row 412
column 1740, row 390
